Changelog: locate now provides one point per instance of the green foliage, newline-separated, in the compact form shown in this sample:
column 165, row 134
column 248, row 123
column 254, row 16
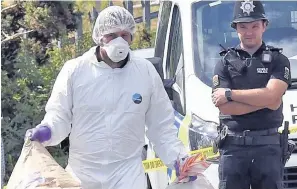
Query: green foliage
column 24, row 97
column 143, row 38
column 44, row 21
column 28, row 69
column 11, row 23
column 84, row 43
column 50, row 18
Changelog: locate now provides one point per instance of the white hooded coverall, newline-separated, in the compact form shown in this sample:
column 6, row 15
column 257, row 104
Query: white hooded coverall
column 108, row 128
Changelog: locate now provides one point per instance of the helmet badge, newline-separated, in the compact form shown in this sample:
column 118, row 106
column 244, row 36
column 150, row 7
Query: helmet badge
column 247, row 6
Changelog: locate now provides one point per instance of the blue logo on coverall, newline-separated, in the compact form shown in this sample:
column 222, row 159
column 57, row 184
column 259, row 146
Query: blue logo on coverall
column 137, row 98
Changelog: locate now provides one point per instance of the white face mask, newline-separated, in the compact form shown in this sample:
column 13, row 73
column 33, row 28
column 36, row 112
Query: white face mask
column 117, row 49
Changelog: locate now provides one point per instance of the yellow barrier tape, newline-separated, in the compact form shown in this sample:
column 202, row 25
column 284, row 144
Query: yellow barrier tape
column 205, row 151
column 293, row 128
column 153, row 165
column 157, row 164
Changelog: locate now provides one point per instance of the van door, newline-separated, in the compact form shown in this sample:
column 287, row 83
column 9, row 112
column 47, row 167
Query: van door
column 159, row 179
column 174, row 62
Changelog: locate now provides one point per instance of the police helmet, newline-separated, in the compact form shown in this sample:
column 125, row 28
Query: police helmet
column 248, row 11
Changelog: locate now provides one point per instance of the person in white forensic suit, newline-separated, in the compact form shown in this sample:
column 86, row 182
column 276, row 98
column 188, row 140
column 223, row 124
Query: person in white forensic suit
column 104, row 99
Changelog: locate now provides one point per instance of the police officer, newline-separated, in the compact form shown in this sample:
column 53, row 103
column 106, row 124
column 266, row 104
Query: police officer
column 248, row 85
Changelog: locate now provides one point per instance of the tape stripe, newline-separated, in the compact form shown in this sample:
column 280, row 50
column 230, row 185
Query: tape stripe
column 178, row 120
column 177, row 124
column 178, row 115
column 169, row 173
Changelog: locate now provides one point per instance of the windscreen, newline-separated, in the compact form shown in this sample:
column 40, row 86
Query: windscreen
column 211, row 27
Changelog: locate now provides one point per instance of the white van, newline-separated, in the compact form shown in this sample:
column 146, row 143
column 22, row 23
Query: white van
column 185, row 53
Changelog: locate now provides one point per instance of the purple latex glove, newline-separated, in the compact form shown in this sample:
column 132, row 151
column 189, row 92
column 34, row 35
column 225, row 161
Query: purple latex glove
column 40, row 134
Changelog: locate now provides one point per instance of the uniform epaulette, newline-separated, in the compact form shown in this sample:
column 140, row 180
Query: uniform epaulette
column 274, row 49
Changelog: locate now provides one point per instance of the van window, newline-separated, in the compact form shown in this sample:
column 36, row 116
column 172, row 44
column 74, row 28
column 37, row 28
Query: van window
column 163, row 22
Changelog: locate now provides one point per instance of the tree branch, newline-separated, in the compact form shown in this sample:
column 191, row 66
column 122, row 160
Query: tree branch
column 8, row 38
column 11, row 6
column 5, row 34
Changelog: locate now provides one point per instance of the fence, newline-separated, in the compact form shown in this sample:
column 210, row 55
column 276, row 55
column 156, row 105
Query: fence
column 146, row 17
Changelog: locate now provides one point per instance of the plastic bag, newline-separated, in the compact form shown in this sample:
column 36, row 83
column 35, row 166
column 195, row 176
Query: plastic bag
column 36, row 168
column 200, row 183
column 192, row 166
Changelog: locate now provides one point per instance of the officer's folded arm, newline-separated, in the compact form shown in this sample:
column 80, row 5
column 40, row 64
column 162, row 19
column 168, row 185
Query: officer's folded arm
column 233, row 107
column 270, row 96
column 237, row 108
column 160, row 123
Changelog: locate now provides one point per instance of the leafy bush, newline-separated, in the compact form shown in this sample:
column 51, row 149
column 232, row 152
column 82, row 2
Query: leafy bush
column 25, row 97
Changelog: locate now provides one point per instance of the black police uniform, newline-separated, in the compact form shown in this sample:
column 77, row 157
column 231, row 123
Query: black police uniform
column 251, row 154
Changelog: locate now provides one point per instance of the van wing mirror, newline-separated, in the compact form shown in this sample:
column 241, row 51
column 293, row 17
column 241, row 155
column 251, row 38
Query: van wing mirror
column 168, row 83
column 157, row 62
